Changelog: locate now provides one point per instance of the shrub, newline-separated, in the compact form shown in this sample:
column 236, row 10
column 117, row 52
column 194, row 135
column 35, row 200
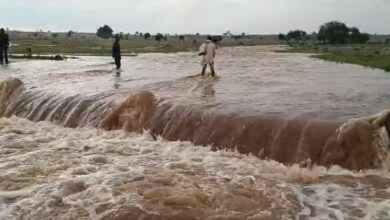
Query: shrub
column 147, row 36
column 296, row 35
column 356, row 37
column 282, row 37
column 333, row 32
column 69, row 34
column 336, row 32
column 158, row 37
column 105, row 32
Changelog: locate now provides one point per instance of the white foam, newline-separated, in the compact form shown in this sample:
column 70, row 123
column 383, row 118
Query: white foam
column 47, row 170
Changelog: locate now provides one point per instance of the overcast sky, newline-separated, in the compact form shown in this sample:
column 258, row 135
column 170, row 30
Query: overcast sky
column 192, row 16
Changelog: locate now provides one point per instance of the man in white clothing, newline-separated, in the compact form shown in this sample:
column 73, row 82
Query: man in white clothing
column 208, row 50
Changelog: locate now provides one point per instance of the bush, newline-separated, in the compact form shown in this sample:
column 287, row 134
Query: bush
column 158, row 37
column 356, row 37
column 335, row 32
column 387, row 68
column 147, row 36
column 69, row 34
column 296, row 35
column 105, row 32
column 282, row 37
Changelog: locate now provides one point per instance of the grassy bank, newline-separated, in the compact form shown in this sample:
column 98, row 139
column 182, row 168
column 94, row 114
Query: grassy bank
column 370, row 55
column 90, row 44
column 96, row 47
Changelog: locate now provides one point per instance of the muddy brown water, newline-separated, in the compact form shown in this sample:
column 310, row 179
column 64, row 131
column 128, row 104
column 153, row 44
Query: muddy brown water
column 280, row 116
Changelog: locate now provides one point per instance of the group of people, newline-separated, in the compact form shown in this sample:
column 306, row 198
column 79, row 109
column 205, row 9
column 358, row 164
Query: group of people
column 207, row 50
column 4, row 45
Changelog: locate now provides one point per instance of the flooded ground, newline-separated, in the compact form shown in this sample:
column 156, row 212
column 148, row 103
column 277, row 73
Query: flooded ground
column 264, row 105
column 252, row 80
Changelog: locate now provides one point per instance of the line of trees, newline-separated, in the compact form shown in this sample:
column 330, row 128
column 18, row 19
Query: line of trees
column 106, row 32
column 297, row 35
column 333, row 32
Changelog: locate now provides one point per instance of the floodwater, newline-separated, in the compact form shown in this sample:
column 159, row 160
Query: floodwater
column 275, row 136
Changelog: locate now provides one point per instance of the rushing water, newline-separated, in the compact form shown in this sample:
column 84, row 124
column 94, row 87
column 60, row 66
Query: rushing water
column 281, row 116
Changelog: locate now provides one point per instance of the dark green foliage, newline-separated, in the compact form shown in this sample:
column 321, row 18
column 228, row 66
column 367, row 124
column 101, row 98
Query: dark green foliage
column 147, row 36
column 105, row 32
column 336, row 32
column 181, row 37
column 69, row 34
column 159, row 37
column 356, row 37
column 282, row 37
column 333, row 32
column 296, row 35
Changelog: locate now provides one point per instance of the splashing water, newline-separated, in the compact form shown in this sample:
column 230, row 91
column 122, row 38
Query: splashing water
column 253, row 144
column 63, row 173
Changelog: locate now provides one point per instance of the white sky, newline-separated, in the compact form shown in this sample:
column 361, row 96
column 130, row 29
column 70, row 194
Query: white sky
column 192, row 16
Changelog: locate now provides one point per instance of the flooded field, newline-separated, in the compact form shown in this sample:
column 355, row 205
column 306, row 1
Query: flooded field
column 275, row 136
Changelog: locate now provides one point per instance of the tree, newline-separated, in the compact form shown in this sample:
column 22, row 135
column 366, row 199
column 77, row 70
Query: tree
column 333, row 32
column 147, row 36
column 105, row 32
column 158, row 37
column 54, row 35
column 356, row 37
column 296, row 35
column 181, row 37
column 282, row 37
column 69, row 33
column 336, row 32
column 227, row 34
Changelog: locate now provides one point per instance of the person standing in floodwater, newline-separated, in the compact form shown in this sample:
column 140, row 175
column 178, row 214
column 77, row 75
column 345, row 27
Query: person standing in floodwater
column 116, row 52
column 208, row 50
column 4, row 45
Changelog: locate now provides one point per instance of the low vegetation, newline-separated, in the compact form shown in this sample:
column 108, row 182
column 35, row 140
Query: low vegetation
column 370, row 55
column 334, row 41
column 100, row 43
column 337, row 42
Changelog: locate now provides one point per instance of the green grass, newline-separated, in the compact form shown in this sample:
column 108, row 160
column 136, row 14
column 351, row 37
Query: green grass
column 42, row 43
column 370, row 55
column 96, row 47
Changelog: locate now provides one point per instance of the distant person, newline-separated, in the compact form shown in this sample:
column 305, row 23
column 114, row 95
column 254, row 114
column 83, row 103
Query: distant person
column 4, row 45
column 208, row 50
column 116, row 52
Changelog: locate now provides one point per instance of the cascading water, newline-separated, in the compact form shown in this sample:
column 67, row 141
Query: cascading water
column 72, row 147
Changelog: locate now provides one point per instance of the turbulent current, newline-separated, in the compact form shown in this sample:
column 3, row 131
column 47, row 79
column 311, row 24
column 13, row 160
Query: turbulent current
column 275, row 136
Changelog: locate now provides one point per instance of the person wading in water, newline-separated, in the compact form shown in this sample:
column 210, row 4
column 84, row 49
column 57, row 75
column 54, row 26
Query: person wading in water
column 4, row 45
column 116, row 52
column 208, row 51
